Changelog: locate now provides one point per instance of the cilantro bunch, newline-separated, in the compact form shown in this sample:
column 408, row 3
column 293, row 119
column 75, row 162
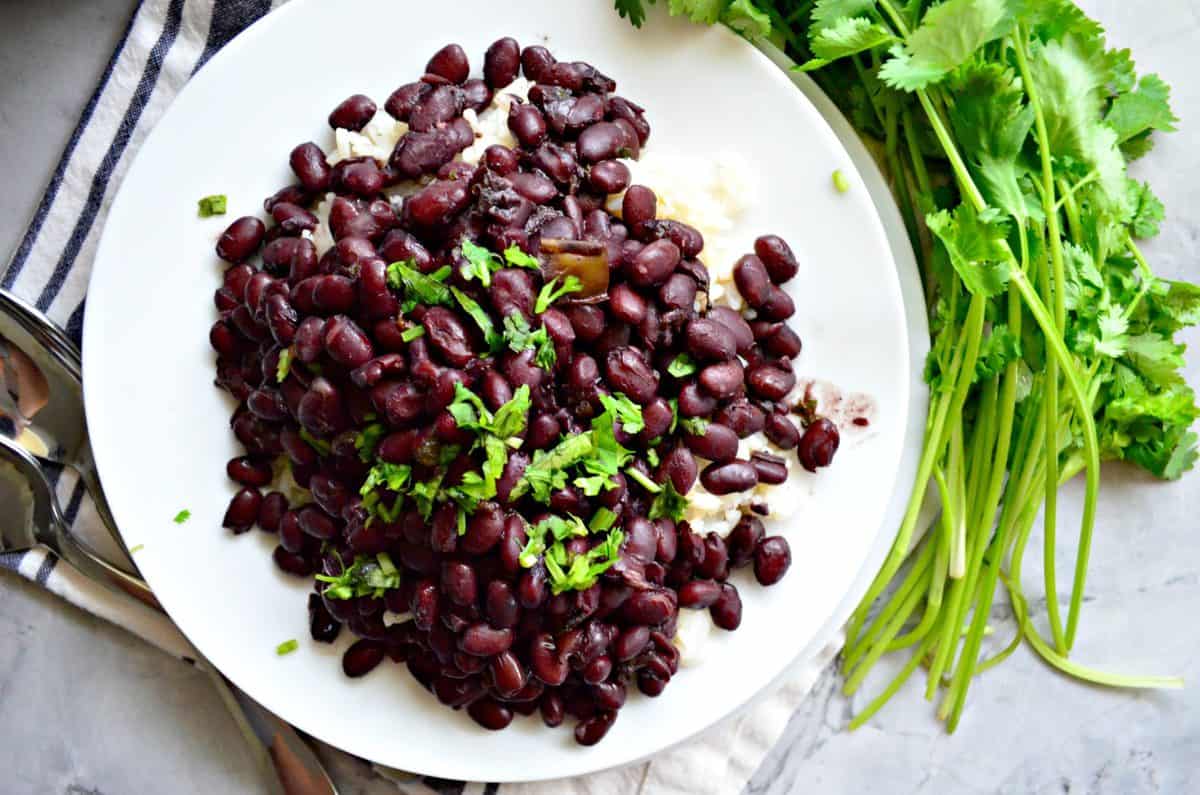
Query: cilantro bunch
column 1006, row 128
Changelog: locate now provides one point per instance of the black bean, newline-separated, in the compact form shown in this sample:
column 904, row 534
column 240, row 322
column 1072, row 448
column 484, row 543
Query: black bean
column 362, row 657
column 433, row 207
column 601, row 141
column 722, row 380
column 772, row 559
column 450, row 62
column 346, row 343
column 707, row 339
column 734, row 476
column 818, row 445
column 308, row 163
column 678, row 292
column 439, row 107
column 271, row 511
column 742, row 416
column 771, row 469
column 777, row 256
column 502, row 62
column 743, row 540
column 476, row 95
column 588, row 322
column 293, row 194
column 781, row 431
column 512, row 291
column 657, row 416
column 398, row 245
column 626, row 304
column 482, row 640
column 638, row 206
column 448, row 336
column 321, row 410
column 291, row 563
column 783, row 343
column 650, row 607
column 609, row 176
column 699, row 594
column 527, row 124
column 752, row 280
column 726, row 612
column 628, row 371
column 777, row 306
column 654, row 263
column 743, row 336
column 243, row 510
column 695, row 402
column 420, row 153
column 534, row 187
column 717, row 443
column 352, row 113
column 402, row 101
column 241, row 239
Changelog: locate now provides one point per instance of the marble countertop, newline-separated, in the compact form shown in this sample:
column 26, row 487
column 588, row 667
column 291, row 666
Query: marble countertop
column 86, row 708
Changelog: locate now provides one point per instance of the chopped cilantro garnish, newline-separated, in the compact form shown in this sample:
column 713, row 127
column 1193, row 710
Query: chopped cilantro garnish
column 694, row 426
column 550, row 292
column 136, row 549
column 412, row 332
column 285, row 365
column 579, row 572
column 366, row 577
column 625, row 410
column 520, row 337
column 320, row 445
column 602, row 520
column 480, row 263
column 287, row 647
column 507, row 423
column 393, row 476
column 646, row 483
column 840, row 183
column 668, row 503
column 652, row 457
column 517, row 258
column 492, row 337
column 681, row 366
column 558, row 528
column 547, row 472
column 424, row 289
column 367, row 439
column 211, row 205
column 182, row 516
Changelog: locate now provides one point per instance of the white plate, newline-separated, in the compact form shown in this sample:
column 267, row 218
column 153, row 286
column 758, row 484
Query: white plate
column 160, row 429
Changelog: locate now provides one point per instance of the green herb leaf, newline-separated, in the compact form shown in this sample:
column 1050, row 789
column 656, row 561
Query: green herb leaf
column 694, row 426
column 949, row 34
column 682, row 366
column 320, row 445
column 848, row 36
column 521, row 338
column 491, row 337
column 412, row 332
column 182, row 516
column 287, row 647
column 367, row 440
column 646, row 483
column 602, row 520
column 516, row 258
column 367, row 576
column 211, row 205
column 394, row 477
column 547, row 472
column 975, row 243
column 420, row 289
column 668, row 504
column 481, row 263
column 136, row 549
column 625, row 410
column 551, row 292
column 285, row 365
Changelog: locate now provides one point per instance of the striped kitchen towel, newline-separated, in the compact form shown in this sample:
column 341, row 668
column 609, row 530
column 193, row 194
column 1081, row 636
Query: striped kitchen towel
column 164, row 43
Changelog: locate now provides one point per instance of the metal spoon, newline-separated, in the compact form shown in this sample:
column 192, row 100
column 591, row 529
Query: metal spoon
column 58, row 426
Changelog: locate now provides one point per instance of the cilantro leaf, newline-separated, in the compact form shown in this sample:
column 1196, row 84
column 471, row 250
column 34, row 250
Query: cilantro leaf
column 516, row 258
column 551, row 292
column 668, row 504
column 643, row 480
column 547, row 472
column 949, row 34
column 420, row 289
column 481, row 263
column 320, row 445
column 521, row 338
column 1000, row 348
column 367, row 440
column 491, row 337
column 745, row 18
column 392, row 476
column 287, row 647
column 633, row 10
column 694, row 426
column 682, row 366
column 285, row 365
column 211, row 205
column 1148, row 211
column 848, row 36
column 625, row 410
column 1146, row 107
column 182, row 516
column 367, row 576
column 412, row 332
column 603, row 519
column 975, row 243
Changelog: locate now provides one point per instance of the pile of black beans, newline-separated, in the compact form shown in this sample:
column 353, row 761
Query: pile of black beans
column 487, row 635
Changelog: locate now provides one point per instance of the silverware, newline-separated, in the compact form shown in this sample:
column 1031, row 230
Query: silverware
column 35, row 356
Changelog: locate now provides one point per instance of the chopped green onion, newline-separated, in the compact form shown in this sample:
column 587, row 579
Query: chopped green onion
column 412, row 332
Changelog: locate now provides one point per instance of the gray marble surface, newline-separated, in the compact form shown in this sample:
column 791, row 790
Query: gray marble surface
column 85, row 708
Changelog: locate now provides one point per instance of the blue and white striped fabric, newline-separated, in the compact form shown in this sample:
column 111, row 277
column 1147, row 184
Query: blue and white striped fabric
column 165, row 42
